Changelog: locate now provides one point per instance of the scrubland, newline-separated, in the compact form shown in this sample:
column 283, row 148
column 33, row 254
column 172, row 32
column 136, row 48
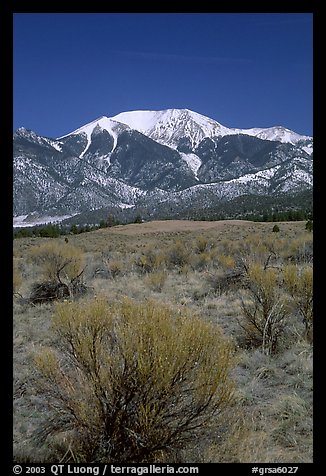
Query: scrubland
column 165, row 341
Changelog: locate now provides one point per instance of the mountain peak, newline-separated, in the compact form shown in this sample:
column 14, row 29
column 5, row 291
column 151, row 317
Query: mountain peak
column 102, row 121
column 23, row 131
column 276, row 133
column 168, row 126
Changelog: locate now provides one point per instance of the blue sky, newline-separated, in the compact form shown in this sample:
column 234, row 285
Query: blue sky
column 242, row 69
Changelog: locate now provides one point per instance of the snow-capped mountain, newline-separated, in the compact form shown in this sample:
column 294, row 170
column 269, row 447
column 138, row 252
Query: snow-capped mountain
column 171, row 126
column 151, row 157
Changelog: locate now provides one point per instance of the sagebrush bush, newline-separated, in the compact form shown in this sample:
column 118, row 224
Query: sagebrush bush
column 62, row 266
column 17, row 276
column 226, row 261
column 58, row 261
column 149, row 260
column 309, row 225
column 300, row 250
column 178, row 255
column 256, row 251
column 265, row 309
column 132, row 382
column 202, row 244
column 156, row 280
column 201, row 261
column 115, row 267
column 299, row 284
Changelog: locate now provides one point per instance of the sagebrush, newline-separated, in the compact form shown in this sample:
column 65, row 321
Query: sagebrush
column 133, row 382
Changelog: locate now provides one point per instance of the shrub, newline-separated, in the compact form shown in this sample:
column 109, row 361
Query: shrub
column 276, row 229
column 226, row 261
column 17, row 277
column 201, row 261
column 223, row 282
column 115, row 267
column 131, row 382
column 48, row 291
column 156, row 280
column 202, row 244
column 149, row 260
column 299, row 284
column 300, row 251
column 178, row 255
column 264, row 311
column 62, row 266
column 254, row 251
column 58, row 261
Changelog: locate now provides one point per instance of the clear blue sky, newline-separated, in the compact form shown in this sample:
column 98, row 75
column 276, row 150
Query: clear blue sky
column 241, row 69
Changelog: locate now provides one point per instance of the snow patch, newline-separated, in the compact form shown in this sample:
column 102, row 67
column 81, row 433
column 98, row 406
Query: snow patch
column 54, row 144
column 125, row 205
column 105, row 158
column 308, row 149
column 193, row 162
column 258, row 176
column 27, row 220
column 142, row 121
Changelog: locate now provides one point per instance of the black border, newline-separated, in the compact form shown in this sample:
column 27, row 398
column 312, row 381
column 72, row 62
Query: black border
column 6, row 111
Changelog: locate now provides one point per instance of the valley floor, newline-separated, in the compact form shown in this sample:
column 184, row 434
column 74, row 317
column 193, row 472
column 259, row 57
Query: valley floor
column 183, row 264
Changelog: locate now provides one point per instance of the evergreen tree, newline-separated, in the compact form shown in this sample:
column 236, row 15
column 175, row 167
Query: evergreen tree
column 309, row 225
column 74, row 229
column 138, row 219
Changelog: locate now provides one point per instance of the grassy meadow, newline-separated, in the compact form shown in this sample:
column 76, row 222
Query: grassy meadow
column 240, row 282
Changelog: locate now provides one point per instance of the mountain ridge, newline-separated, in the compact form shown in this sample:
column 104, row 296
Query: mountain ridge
column 171, row 155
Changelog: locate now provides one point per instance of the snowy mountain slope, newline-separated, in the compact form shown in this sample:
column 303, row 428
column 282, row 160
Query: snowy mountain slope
column 193, row 162
column 146, row 158
column 103, row 123
column 58, row 181
column 290, row 177
column 235, row 155
column 170, row 125
column 34, row 186
column 277, row 133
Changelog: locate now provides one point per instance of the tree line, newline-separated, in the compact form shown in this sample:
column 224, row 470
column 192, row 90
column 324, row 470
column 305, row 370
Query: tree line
column 52, row 230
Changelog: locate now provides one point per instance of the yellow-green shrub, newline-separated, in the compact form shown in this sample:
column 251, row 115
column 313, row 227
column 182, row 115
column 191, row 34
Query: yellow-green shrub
column 256, row 251
column 178, row 254
column 226, row 261
column 150, row 260
column 300, row 250
column 264, row 309
column 299, row 284
column 17, row 276
column 156, row 280
column 202, row 244
column 201, row 261
column 115, row 267
column 58, row 260
column 132, row 382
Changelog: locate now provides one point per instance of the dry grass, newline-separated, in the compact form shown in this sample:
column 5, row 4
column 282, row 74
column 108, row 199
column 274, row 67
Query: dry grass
column 271, row 420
